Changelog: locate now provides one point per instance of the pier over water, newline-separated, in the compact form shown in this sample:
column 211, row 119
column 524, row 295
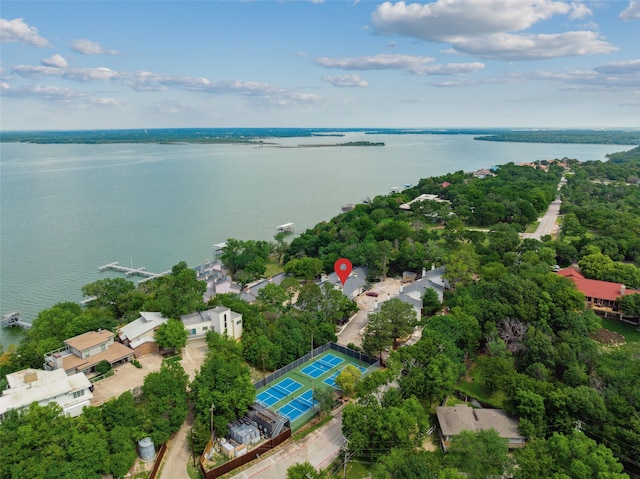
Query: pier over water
column 142, row 271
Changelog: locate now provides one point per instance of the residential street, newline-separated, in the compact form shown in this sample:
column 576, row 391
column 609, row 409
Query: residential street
column 547, row 225
column 352, row 331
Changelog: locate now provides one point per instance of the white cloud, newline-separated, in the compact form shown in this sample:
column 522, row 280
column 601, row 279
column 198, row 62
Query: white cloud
column 382, row 61
column 42, row 91
column 17, row 30
column 148, row 81
column 76, row 74
column 56, row 61
column 632, row 12
column 444, row 20
column 415, row 65
column 505, row 46
column 486, row 28
column 342, row 81
column 87, row 47
column 579, row 11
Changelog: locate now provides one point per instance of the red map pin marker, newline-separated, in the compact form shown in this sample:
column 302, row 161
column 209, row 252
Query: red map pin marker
column 343, row 268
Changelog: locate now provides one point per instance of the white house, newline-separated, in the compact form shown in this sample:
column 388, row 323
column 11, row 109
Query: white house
column 139, row 335
column 219, row 319
column 72, row 393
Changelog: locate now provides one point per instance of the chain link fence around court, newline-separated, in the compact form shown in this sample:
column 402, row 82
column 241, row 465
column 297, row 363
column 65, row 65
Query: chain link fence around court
column 360, row 356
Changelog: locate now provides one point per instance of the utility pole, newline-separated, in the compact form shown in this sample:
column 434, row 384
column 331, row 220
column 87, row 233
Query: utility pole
column 346, row 451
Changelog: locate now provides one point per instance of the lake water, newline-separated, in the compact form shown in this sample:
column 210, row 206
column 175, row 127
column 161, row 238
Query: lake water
column 67, row 209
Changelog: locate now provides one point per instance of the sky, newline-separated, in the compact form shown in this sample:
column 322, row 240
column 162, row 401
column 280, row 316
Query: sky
column 312, row 63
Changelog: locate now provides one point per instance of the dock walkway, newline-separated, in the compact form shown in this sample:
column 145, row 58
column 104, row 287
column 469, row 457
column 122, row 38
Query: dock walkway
column 142, row 271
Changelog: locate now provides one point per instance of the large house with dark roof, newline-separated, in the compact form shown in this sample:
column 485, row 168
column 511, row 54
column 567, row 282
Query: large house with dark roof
column 601, row 296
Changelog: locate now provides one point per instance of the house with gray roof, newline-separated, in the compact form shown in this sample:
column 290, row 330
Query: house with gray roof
column 455, row 419
column 139, row 334
column 354, row 284
column 250, row 292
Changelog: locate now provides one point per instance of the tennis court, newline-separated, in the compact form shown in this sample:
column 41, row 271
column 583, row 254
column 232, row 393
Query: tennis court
column 278, row 392
column 331, row 380
column 298, row 406
column 322, row 365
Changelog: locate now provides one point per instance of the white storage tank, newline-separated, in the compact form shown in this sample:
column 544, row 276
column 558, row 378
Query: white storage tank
column 147, row 449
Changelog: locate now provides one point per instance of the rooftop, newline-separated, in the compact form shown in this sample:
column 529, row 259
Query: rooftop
column 453, row 420
column 31, row 385
column 593, row 288
column 89, row 339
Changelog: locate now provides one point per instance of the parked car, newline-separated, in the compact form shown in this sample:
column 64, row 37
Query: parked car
column 372, row 293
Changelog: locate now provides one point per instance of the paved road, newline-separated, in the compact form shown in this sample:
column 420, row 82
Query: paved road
column 352, row 331
column 547, row 225
column 318, row 448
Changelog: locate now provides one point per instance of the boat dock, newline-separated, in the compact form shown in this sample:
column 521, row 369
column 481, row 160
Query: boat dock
column 142, row 271
column 285, row 228
column 13, row 319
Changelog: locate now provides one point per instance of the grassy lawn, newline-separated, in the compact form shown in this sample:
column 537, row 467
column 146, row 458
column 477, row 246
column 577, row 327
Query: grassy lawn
column 630, row 332
column 273, row 268
column 532, row 227
column 473, row 386
column 452, row 401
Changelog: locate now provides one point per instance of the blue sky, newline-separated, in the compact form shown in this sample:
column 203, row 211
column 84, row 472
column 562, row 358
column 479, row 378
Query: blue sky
column 333, row 63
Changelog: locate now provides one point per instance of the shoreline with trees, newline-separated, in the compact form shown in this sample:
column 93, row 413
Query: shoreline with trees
column 511, row 330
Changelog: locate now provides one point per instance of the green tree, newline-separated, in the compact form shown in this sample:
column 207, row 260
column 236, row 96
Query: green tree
column 165, row 401
column 114, row 294
column 304, row 471
column 573, row 456
column 179, row 293
column 274, row 296
column 348, row 379
column 479, row 454
column 305, row 268
column 630, row 304
column 396, row 318
column 324, row 397
column 461, row 266
column 222, row 383
column 171, row 335
column 430, row 302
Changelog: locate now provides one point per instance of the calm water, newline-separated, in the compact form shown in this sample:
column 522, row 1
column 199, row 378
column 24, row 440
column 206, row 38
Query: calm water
column 67, row 209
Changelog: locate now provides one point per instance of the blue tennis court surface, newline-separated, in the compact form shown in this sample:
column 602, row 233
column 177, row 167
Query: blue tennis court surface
column 298, row 406
column 331, row 380
column 278, row 392
column 322, row 365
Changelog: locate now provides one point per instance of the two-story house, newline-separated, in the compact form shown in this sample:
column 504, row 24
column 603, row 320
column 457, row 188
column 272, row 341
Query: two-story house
column 219, row 319
column 82, row 353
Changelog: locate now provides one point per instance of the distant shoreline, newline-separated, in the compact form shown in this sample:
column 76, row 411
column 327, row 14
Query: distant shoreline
column 268, row 136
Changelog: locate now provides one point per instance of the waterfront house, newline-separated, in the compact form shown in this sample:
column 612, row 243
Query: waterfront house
column 139, row 334
column 82, row 353
column 455, row 419
column 219, row 319
column 72, row 392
